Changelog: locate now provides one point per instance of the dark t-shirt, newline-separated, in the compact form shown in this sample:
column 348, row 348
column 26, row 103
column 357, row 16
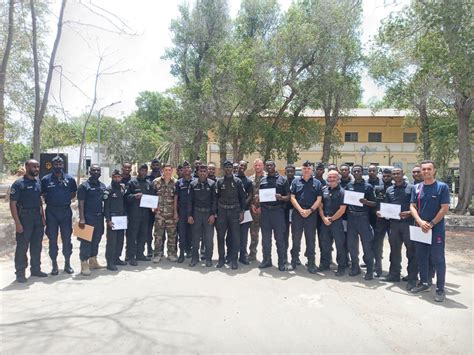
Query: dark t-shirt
column 428, row 200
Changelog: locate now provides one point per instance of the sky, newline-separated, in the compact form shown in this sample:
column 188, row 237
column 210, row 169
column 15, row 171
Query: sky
column 132, row 60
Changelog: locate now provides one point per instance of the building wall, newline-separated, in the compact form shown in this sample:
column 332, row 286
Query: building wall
column 392, row 150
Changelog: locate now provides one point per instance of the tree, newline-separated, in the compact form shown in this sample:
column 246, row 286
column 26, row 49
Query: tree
column 3, row 74
column 41, row 98
column 441, row 33
column 197, row 36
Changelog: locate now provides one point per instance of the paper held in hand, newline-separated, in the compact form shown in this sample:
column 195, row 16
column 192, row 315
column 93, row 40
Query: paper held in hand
column 83, row 233
column 267, row 195
column 120, row 223
column 390, row 210
column 247, row 217
column 149, row 201
column 417, row 235
column 353, row 198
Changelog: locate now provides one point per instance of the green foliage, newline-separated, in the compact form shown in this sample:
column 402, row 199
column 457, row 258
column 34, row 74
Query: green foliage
column 15, row 156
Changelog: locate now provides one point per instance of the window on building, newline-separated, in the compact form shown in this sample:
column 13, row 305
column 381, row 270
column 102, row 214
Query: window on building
column 375, row 137
column 351, row 137
column 409, row 137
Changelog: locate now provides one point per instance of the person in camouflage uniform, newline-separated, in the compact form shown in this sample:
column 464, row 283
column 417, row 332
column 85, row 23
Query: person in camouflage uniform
column 255, row 208
column 166, row 214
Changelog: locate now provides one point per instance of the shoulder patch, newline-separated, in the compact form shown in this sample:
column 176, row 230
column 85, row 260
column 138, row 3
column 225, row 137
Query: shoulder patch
column 12, row 191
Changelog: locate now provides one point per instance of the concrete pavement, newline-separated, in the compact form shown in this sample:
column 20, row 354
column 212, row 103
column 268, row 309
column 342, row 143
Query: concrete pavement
column 171, row 308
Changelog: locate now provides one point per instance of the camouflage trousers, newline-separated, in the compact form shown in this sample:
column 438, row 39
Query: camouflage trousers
column 165, row 223
column 254, row 235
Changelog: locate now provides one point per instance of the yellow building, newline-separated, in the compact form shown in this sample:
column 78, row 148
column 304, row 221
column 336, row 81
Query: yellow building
column 367, row 137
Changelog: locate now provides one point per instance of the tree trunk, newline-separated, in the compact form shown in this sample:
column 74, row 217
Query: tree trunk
column 222, row 153
column 464, row 112
column 197, row 144
column 3, row 77
column 425, row 129
column 41, row 104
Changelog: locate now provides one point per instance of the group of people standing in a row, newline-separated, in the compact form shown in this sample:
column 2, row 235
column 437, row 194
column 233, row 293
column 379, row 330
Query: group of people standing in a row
column 191, row 206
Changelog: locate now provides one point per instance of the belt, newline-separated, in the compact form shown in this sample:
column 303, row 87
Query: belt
column 351, row 213
column 59, row 206
column 228, row 207
column 270, row 207
column 199, row 209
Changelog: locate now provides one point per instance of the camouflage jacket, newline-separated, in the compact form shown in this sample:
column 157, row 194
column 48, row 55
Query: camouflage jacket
column 256, row 185
column 166, row 193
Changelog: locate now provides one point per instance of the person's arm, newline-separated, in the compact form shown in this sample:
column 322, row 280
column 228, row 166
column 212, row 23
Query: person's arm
column 339, row 213
column 81, row 196
column 43, row 217
column 212, row 217
column 369, row 198
column 73, row 188
column 16, row 217
column 176, row 217
column 319, row 194
column 189, row 204
column 249, row 198
column 285, row 195
column 107, row 206
column 242, row 195
column 425, row 226
column 130, row 192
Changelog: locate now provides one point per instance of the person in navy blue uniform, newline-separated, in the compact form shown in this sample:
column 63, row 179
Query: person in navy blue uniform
column 346, row 178
column 58, row 189
column 318, row 174
column 272, row 219
column 230, row 212
column 185, row 239
column 374, row 180
column 114, row 205
column 90, row 196
column 331, row 211
column 429, row 204
column 244, row 227
column 138, row 217
column 26, row 209
column 290, row 172
column 155, row 172
column 382, row 226
column 202, row 214
column 358, row 224
column 306, row 196
column 400, row 194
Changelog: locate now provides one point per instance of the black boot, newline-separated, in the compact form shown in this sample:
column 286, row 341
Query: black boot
column 369, row 275
column 266, row 262
column 234, row 265
column 67, row 267
column 54, row 270
column 220, row 263
column 181, row 257
column 20, row 278
column 244, row 260
column 312, row 269
column 194, row 262
column 111, row 267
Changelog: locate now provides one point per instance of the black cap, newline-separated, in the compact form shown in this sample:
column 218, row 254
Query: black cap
column 156, row 160
column 116, row 172
column 307, row 163
column 57, row 158
column 227, row 163
column 186, row 163
column 143, row 166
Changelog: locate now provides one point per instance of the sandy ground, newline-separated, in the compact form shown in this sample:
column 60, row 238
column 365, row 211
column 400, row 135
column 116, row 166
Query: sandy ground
column 171, row 308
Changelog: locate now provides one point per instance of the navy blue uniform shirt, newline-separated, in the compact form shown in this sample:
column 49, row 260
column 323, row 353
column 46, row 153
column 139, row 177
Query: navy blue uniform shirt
column 365, row 188
column 333, row 199
column 92, row 193
column 278, row 182
column 57, row 191
column 306, row 192
column 248, row 186
column 429, row 198
column 182, row 191
column 400, row 195
column 26, row 193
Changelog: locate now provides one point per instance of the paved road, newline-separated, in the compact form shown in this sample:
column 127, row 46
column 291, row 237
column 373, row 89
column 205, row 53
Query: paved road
column 173, row 309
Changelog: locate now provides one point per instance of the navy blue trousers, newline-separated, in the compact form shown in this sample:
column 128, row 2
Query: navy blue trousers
column 435, row 252
column 59, row 219
column 90, row 249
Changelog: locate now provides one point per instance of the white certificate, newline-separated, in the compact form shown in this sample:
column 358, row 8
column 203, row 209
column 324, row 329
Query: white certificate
column 291, row 215
column 390, row 210
column 149, row 201
column 120, row 222
column 247, row 217
column 267, row 195
column 417, row 235
column 353, row 198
